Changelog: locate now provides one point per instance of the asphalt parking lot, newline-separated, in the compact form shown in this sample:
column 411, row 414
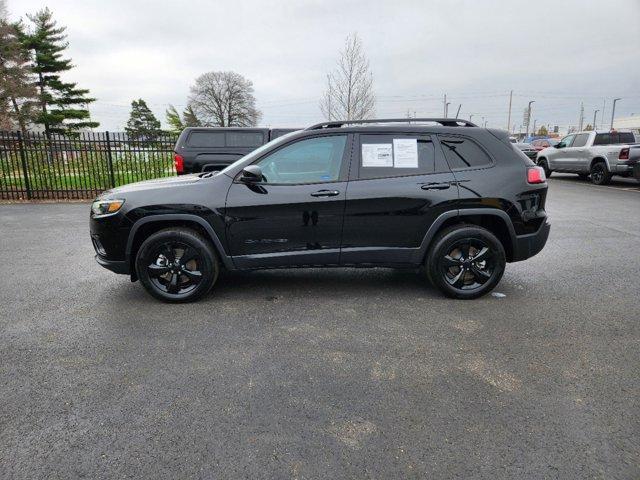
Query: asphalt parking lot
column 325, row 373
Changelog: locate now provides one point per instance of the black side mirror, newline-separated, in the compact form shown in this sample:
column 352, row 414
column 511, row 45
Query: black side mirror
column 559, row 145
column 251, row 174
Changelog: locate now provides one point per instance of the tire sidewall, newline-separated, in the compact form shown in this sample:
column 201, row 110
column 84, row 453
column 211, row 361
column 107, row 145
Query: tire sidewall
column 605, row 175
column 441, row 247
column 183, row 236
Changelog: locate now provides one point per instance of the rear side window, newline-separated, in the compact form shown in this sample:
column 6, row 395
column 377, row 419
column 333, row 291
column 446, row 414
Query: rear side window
column 602, row 139
column 462, row 152
column 244, row 139
column 205, row 139
column 580, row 140
column 384, row 156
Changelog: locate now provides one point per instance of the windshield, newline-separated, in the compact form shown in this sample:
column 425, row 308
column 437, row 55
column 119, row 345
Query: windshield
column 258, row 151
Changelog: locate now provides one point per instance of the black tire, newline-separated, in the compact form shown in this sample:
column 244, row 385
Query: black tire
column 600, row 175
column 164, row 274
column 545, row 166
column 450, row 262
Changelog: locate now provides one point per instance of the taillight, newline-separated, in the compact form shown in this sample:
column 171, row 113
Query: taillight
column 624, row 154
column 536, row 175
column 178, row 162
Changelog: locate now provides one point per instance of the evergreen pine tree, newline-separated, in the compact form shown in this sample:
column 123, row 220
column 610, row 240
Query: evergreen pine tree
column 63, row 106
column 173, row 119
column 17, row 92
column 189, row 118
column 142, row 123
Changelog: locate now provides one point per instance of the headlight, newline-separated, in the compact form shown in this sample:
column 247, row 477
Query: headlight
column 103, row 208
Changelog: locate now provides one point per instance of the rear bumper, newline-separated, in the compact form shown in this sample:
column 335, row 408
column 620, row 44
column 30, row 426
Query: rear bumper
column 526, row 246
column 121, row 267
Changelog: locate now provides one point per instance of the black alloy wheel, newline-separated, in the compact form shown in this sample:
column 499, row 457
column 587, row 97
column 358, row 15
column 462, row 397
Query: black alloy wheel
column 466, row 262
column 599, row 174
column 176, row 265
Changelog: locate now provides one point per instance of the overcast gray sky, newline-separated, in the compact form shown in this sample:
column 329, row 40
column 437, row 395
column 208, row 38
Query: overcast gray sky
column 557, row 53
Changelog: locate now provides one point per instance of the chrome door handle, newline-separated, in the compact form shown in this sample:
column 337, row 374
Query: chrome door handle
column 325, row 193
column 435, row 186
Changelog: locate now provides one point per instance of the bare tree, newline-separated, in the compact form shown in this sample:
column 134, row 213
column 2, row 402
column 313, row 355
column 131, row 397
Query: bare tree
column 224, row 99
column 349, row 94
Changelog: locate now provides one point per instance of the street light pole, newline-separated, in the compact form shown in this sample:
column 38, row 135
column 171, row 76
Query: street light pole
column 613, row 110
column 446, row 109
column 594, row 119
column 470, row 116
column 528, row 117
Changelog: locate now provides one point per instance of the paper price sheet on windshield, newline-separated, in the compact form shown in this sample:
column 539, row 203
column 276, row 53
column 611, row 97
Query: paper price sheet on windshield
column 405, row 153
column 377, row 155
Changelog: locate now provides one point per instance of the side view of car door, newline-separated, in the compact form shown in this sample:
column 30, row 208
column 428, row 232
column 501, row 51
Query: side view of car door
column 293, row 216
column 561, row 158
column 398, row 185
column 578, row 159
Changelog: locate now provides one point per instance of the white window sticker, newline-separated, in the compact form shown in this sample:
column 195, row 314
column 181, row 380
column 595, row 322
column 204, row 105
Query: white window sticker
column 405, row 153
column 377, row 155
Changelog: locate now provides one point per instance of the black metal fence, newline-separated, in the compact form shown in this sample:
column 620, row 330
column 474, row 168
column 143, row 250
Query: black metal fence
column 34, row 166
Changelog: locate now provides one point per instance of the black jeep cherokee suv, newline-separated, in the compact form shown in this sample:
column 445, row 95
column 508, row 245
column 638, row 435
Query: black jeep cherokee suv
column 442, row 193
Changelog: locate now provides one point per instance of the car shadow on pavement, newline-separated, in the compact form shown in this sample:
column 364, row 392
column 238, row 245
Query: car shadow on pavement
column 355, row 281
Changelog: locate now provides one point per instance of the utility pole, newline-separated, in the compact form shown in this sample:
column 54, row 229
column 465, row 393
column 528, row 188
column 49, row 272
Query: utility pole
column 613, row 110
column 446, row 109
column 444, row 104
column 604, row 103
column 509, row 120
column 581, row 120
column 528, row 117
column 458, row 112
column 594, row 119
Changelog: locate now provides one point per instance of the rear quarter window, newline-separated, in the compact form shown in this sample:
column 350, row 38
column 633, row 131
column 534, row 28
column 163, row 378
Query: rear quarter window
column 462, row 152
column 205, row 139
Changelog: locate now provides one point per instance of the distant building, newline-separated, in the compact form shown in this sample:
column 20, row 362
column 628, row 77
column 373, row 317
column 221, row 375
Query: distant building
column 628, row 123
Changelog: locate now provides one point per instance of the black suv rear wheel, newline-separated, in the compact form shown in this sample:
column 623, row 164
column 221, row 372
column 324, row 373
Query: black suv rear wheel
column 466, row 261
column 177, row 265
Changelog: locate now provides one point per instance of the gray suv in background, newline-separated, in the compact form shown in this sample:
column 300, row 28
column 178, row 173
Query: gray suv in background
column 204, row 149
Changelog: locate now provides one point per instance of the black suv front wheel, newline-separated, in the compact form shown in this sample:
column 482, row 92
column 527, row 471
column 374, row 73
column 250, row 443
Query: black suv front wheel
column 177, row 265
column 466, row 261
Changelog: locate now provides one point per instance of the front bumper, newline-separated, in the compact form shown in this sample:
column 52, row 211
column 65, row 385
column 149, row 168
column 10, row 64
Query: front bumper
column 526, row 246
column 116, row 266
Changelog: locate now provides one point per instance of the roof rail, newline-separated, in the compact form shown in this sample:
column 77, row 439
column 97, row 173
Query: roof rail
column 445, row 122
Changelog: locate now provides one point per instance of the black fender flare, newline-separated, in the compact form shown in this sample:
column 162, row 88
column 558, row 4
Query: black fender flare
column 435, row 226
column 167, row 217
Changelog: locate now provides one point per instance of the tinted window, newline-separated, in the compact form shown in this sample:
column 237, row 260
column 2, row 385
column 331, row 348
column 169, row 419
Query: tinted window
column 407, row 155
column 602, row 139
column 462, row 152
column 244, row 139
column 307, row 161
column 206, row 139
column 626, row 137
column 568, row 140
column 580, row 140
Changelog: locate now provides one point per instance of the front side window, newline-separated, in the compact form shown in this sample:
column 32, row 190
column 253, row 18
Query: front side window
column 568, row 140
column 384, row 156
column 462, row 152
column 580, row 140
column 314, row 160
